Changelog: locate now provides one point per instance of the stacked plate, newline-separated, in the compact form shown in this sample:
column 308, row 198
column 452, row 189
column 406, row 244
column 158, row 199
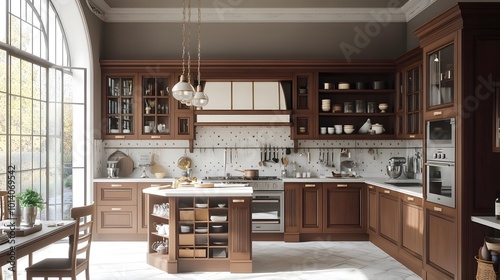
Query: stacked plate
column 325, row 105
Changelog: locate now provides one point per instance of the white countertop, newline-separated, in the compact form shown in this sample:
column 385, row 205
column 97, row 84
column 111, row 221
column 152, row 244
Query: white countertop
column 376, row 181
column 220, row 190
column 489, row 221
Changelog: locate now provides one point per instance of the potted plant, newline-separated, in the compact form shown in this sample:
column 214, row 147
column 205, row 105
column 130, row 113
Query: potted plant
column 30, row 201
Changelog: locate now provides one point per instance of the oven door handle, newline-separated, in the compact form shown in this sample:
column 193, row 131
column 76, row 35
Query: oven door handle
column 265, row 200
column 439, row 164
column 265, row 222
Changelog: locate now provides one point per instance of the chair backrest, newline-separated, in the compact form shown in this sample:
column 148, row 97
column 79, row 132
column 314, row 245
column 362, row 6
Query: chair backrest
column 4, row 205
column 84, row 218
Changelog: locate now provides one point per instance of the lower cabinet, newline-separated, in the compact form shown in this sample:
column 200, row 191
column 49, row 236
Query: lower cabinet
column 121, row 211
column 325, row 208
column 396, row 225
column 441, row 242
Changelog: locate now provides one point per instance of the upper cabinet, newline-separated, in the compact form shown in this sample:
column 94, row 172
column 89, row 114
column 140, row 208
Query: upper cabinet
column 304, row 109
column 409, row 100
column 118, row 108
column 353, row 95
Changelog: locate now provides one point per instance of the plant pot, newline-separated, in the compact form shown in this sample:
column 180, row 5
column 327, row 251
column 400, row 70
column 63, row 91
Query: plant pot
column 29, row 215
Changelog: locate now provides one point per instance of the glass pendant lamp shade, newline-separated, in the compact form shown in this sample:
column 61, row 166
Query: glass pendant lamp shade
column 183, row 91
column 200, row 99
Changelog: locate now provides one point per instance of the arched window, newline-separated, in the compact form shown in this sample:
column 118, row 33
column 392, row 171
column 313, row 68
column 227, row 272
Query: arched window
column 43, row 122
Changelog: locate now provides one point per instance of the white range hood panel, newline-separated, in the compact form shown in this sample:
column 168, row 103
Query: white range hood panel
column 243, row 118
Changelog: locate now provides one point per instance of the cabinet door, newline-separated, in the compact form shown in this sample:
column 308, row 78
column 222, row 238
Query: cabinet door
column 389, row 216
column 118, row 106
column 413, row 97
column 344, row 204
column 240, row 221
column 372, row 209
column 412, row 225
column 184, row 126
column 441, row 242
column 303, row 127
column 311, row 208
column 143, row 207
column 292, row 211
column 156, row 106
column 116, row 219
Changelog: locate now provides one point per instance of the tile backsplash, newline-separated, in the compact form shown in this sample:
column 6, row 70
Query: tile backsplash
column 243, row 147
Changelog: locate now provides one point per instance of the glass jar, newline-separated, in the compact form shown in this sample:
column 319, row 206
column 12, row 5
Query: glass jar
column 348, row 107
column 360, row 106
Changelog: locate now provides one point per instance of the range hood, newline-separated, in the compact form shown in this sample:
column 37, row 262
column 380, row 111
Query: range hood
column 246, row 102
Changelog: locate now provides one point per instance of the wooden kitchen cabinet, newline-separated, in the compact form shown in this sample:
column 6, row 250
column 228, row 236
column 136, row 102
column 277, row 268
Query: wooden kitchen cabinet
column 240, row 233
column 366, row 83
column 304, row 110
column 412, row 231
column 311, row 208
column 372, row 210
column 410, row 96
column 389, row 215
column 292, row 212
column 344, row 207
column 121, row 211
column 119, row 118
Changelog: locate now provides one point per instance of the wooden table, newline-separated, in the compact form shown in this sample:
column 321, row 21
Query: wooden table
column 26, row 245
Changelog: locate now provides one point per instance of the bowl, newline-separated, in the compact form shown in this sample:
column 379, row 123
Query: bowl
column 201, row 205
column 160, row 175
column 221, row 205
column 344, row 86
column 394, row 171
column 409, row 175
column 348, row 126
column 201, row 230
column 348, row 130
column 492, row 243
column 185, row 229
column 383, row 107
column 217, row 228
column 218, row 218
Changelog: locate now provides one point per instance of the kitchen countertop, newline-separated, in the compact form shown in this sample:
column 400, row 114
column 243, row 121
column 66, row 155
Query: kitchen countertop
column 489, row 221
column 376, row 181
column 219, row 190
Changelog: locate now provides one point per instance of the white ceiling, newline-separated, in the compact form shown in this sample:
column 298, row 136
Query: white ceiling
column 227, row 11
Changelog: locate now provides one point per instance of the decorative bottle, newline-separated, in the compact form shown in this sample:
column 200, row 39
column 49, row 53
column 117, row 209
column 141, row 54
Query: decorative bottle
column 17, row 213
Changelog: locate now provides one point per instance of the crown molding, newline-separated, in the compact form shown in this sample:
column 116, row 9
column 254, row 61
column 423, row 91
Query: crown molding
column 256, row 15
column 414, row 7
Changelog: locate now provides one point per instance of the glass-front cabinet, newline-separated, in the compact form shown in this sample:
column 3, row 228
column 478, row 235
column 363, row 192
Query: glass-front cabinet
column 118, row 107
column 413, row 95
column 303, row 99
column 440, row 70
column 156, row 117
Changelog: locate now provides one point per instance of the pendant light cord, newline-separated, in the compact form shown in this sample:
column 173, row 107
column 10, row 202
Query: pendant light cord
column 199, row 43
column 184, row 37
column 188, row 43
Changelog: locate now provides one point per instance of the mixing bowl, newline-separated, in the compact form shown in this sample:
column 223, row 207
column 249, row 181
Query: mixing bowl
column 394, row 171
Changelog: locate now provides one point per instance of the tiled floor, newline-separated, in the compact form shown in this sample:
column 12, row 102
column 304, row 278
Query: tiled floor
column 271, row 260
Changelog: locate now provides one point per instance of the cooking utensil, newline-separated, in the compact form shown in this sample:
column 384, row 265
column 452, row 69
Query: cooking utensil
column 184, row 162
column 250, row 173
column 123, row 162
column 275, row 158
column 262, row 161
column 288, row 151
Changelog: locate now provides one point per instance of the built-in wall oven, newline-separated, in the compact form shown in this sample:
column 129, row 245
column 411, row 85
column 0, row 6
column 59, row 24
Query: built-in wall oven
column 440, row 162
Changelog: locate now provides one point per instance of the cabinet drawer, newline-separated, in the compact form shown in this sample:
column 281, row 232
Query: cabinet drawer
column 117, row 219
column 410, row 199
column 117, row 194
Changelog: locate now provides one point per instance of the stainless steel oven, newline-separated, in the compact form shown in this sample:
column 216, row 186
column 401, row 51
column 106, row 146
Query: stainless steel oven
column 440, row 162
column 267, row 211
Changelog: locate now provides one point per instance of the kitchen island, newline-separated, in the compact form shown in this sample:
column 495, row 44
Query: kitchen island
column 204, row 229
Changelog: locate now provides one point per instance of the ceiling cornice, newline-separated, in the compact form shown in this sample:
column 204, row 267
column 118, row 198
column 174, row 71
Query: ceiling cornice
column 257, row 15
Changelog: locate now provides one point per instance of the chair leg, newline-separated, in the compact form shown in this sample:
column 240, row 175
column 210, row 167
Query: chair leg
column 87, row 273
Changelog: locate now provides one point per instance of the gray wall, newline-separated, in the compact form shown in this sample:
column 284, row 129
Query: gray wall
column 256, row 41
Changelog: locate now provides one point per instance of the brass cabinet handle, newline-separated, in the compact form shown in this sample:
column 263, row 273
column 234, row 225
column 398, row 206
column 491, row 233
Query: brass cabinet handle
column 119, row 136
column 310, row 185
column 412, row 136
column 410, row 198
column 438, row 113
column 155, row 137
column 116, row 185
column 387, row 191
column 116, row 209
column 438, row 209
column 238, row 200
column 341, row 185
column 370, row 187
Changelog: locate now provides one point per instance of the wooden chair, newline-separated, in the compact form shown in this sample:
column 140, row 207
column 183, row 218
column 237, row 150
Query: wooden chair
column 4, row 206
column 79, row 244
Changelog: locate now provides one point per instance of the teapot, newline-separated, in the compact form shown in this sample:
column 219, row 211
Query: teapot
column 161, row 249
column 378, row 128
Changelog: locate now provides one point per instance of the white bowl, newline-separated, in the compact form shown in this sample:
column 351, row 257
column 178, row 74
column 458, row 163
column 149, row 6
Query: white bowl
column 201, row 205
column 185, row 229
column 160, row 175
column 348, row 130
column 218, row 218
column 344, row 86
column 221, row 205
column 349, row 126
column 201, row 230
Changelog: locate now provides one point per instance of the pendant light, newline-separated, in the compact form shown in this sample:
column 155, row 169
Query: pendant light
column 183, row 90
column 200, row 99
